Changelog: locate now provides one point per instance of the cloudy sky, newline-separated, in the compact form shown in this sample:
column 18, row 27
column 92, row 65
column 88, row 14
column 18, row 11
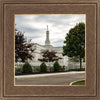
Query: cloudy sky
column 35, row 26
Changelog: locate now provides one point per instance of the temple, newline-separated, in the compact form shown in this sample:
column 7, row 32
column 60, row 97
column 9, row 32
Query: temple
column 38, row 54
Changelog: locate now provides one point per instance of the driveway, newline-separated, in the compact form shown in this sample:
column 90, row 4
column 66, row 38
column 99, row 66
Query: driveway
column 64, row 78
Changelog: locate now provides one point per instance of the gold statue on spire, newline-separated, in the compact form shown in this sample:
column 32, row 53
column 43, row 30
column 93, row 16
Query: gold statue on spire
column 47, row 27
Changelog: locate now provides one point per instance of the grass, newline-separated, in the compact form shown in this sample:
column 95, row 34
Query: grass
column 79, row 83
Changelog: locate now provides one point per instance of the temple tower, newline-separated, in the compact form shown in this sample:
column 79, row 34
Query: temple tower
column 47, row 41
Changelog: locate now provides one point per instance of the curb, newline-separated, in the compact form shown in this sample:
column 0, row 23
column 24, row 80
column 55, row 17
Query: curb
column 44, row 75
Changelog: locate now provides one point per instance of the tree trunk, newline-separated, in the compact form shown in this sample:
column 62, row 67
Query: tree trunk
column 80, row 63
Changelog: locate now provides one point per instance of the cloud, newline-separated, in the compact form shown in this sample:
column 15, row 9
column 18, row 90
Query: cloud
column 34, row 26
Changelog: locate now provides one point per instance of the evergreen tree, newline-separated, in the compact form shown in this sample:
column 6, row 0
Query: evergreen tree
column 27, row 68
column 43, row 67
column 57, row 67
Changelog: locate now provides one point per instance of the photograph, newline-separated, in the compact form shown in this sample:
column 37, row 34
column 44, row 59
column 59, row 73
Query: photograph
column 49, row 49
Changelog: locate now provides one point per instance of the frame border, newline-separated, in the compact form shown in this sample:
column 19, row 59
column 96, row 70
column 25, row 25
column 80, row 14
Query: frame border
column 2, row 2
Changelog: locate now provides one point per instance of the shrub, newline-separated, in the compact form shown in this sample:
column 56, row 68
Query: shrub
column 19, row 70
column 51, row 69
column 62, row 68
column 77, row 69
column 38, row 68
column 27, row 68
column 57, row 67
column 43, row 67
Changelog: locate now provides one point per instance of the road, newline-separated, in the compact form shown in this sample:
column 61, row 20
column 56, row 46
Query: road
column 64, row 78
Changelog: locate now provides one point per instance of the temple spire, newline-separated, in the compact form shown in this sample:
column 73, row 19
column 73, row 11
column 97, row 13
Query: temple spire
column 47, row 41
column 47, row 27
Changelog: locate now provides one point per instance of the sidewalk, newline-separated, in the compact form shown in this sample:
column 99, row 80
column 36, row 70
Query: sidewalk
column 49, row 74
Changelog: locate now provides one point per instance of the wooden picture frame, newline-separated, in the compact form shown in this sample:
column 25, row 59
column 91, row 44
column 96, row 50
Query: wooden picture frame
column 8, row 8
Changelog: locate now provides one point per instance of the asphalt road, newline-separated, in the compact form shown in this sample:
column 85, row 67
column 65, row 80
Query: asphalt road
column 50, row 79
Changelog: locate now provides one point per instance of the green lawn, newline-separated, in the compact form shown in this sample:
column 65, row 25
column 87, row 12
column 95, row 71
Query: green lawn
column 79, row 83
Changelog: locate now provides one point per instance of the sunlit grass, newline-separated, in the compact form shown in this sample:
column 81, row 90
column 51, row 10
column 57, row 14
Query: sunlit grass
column 79, row 83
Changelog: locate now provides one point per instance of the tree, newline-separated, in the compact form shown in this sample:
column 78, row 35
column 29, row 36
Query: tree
column 23, row 49
column 27, row 68
column 43, row 67
column 74, row 59
column 75, row 43
column 49, row 56
column 57, row 67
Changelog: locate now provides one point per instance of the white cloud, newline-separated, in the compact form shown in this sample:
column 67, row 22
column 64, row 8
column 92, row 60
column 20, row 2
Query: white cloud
column 34, row 26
